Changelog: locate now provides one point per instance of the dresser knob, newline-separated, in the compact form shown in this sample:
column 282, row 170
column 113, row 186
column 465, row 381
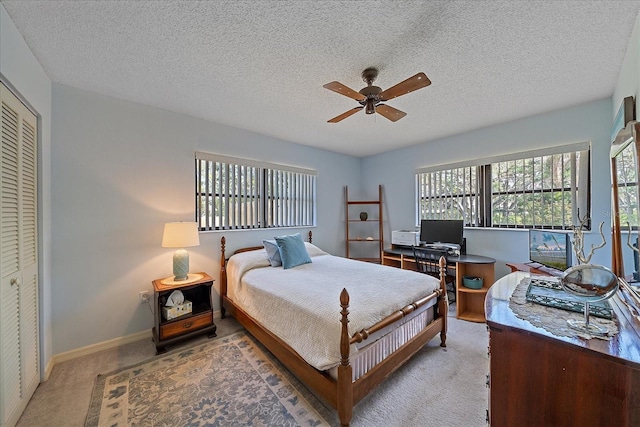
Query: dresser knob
column 15, row 282
column 187, row 325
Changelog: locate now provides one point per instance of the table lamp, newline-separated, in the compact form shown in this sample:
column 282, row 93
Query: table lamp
column 180, row 235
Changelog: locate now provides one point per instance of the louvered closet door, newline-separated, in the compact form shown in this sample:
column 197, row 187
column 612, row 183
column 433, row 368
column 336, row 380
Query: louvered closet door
column 19, row 367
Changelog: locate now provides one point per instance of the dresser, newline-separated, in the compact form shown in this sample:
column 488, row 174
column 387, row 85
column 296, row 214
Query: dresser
column 539, row 379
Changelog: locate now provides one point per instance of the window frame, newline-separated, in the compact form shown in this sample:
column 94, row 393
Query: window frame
column 628, row 189
column 281, row 196
column 580, row 173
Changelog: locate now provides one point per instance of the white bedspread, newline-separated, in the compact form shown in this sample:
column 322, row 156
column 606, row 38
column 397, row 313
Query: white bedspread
column 302, row 305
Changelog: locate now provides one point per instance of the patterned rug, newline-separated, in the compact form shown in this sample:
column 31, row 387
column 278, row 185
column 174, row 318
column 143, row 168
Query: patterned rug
column 229, row 381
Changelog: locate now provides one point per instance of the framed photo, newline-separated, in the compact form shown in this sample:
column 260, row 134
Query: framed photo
column 626, row 113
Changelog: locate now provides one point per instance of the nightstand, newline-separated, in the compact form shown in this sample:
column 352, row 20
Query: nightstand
column 197, row 290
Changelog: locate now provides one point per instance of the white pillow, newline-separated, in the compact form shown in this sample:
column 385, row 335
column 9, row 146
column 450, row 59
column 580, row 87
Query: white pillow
column 273, row 252
column 313, row 250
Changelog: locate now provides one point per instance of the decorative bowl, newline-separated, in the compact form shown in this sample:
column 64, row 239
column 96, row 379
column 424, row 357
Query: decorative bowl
column 472, row 282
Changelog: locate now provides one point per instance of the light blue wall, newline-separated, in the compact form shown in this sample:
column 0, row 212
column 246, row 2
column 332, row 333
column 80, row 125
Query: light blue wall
column 121, row 171
column 22, row 71
column 396, row 171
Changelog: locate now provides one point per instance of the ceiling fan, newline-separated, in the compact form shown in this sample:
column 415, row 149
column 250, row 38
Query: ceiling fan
column 371, row 97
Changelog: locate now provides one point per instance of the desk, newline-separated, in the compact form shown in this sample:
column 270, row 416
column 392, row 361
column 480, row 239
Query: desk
column 469, row 302
column 539, row 379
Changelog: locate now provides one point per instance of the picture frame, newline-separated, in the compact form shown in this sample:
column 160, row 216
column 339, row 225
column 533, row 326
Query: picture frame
column 626, row 113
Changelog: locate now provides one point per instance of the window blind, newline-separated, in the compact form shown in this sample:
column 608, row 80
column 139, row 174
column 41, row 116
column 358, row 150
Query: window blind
column 236, row 193
column 544, row 188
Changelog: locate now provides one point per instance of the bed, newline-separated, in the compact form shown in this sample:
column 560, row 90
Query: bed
column 342, row 357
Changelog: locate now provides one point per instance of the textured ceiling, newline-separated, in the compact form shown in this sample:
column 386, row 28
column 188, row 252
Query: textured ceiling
column 260, row 65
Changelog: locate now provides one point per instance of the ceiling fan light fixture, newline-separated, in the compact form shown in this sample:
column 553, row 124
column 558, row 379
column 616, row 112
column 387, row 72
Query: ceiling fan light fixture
column 370, row 107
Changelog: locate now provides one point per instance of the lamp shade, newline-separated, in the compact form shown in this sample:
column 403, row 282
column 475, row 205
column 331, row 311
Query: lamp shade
column 180, row 235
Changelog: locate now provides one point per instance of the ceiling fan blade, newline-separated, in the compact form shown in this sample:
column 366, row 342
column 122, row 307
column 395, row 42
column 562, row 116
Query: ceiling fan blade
column 390, row 113
column 416, row 82
column 345, row 115
column 343, row 90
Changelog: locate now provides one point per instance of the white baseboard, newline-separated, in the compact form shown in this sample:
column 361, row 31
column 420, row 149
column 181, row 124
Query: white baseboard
column 104, row 345
column 47, row 370
column 94, row 348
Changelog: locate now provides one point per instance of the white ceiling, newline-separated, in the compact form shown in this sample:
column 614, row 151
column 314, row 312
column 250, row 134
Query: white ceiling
column 260, row 65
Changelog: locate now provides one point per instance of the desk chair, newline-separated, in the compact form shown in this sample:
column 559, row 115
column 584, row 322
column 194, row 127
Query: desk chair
column 427, row 263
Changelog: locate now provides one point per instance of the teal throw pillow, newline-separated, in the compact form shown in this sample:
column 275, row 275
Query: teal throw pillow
column 292, row 251
column 273, row 252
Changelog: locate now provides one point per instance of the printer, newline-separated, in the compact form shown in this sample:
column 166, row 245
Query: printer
column 405, row 237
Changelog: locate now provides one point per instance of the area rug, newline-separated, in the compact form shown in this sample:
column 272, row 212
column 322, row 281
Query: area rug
column 230, row 381
column 438, row 386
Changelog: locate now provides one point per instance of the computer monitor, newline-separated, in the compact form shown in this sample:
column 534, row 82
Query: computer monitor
column 441, row 231
column 550, row 248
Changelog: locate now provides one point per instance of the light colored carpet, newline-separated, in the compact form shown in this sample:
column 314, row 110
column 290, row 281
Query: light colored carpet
column 63, row 400
column 438, row 386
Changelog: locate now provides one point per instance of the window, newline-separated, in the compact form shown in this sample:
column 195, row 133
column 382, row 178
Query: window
column 233, row 193
column 627, row 189
column 546, row 188
column 449, row 194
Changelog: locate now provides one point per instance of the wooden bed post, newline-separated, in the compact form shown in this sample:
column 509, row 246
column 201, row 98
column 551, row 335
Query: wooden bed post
column 223, row 275
column 345, row 389
column 310, row 237
column 443, row 302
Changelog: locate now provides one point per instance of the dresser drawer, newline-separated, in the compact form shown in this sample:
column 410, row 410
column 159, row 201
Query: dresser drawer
column 191, row 323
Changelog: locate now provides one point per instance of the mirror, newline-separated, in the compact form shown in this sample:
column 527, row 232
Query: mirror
column 625, row 225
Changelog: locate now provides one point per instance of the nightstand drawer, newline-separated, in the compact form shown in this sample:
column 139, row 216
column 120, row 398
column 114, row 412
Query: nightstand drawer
column 183, row 326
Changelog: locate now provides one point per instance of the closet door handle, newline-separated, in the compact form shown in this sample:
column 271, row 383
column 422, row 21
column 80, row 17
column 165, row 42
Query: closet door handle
column 15, row 282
